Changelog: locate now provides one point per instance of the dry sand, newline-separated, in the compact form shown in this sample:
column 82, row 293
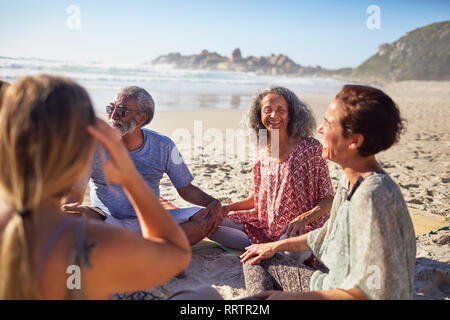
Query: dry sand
column 419, row 163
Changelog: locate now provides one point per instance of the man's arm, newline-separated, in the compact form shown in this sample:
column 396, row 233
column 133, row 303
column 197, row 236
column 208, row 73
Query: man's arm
column 75, row 196
column 72, row 203
column 195, row 195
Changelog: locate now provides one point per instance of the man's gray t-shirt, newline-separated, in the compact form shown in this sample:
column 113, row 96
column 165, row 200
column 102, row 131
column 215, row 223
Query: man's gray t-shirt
column 158, row 155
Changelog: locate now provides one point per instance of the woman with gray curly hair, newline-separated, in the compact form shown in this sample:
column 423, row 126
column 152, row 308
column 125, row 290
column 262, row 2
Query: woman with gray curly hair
column 292, row 191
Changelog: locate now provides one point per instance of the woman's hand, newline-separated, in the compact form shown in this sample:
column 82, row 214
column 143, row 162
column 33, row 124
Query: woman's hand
column 262, row 251
column 120, row 169
column 295, row 228
column 225, row 210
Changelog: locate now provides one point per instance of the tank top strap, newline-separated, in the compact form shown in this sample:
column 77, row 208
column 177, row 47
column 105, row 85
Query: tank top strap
column 51, row 242
column 80, row 257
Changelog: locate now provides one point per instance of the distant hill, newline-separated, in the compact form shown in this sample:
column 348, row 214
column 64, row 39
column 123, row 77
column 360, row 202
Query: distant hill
column 274, row 64
column 422, row 54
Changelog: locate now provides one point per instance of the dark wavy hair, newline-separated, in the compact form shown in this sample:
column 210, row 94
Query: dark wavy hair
column 301, row 120
column 372, row 113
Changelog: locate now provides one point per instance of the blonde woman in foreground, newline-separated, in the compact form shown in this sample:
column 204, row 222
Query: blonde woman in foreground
column 47, row 138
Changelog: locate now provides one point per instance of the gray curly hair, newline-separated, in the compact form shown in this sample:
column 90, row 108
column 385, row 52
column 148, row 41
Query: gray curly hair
column 144, row 100
column 301, row 120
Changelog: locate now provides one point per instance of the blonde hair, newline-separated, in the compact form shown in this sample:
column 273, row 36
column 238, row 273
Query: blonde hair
column 44, row 146
column 3, row 86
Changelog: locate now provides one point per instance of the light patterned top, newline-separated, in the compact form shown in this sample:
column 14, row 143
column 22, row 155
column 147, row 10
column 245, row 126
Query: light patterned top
column 368, row 243
column 284, row 190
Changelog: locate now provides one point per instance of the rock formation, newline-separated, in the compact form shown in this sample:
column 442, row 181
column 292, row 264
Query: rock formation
column 274, row 64
column 422, row 54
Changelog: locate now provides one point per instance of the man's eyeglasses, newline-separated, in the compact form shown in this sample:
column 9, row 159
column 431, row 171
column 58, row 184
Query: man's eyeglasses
column 120, row 111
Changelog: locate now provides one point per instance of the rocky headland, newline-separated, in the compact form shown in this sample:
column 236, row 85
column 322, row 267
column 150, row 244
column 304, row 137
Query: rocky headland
column 422, row 54
column 272, row 65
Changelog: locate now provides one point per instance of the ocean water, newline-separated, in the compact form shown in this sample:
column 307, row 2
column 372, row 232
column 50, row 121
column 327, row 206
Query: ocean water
column 172, row 89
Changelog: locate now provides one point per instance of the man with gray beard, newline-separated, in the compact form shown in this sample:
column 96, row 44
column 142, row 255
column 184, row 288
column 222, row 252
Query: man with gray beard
column 153, row 155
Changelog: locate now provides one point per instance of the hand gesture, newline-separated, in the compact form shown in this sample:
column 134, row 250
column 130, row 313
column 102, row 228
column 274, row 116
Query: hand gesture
column 214, row 209
column 295, row 228
column 262, row 251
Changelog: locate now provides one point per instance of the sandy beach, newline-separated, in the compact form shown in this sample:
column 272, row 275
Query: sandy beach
column 419, row 163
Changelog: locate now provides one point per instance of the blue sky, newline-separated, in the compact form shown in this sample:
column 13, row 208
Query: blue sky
column 326, row 33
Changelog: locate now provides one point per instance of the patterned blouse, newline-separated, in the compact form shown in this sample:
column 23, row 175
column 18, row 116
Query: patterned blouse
column 368, row 243
column 284, row 190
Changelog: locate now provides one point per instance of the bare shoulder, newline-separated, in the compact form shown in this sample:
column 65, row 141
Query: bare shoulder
column 124, row 261
column 110, row 236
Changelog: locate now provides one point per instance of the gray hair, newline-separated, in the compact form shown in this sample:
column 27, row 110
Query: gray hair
column 144, row 100
column 301, row 120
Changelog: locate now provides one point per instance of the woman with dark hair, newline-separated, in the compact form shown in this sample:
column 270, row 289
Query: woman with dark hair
column 292, row 190
column 368, row 244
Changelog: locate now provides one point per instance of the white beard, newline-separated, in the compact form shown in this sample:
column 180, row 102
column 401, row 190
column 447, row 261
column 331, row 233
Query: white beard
column 124, row 128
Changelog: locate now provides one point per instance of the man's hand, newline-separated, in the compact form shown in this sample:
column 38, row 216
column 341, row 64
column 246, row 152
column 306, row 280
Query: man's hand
column 83, row 211
column 214, row 210
column 213, row 207
column 71, row 208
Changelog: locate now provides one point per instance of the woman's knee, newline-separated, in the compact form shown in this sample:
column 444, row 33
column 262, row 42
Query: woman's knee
column 231, row 237
column 227, row 222
column 257, row 278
